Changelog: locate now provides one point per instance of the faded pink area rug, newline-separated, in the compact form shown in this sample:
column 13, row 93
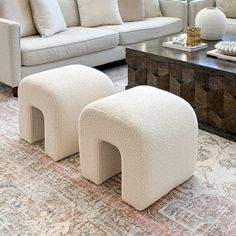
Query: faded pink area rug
column 41, row 197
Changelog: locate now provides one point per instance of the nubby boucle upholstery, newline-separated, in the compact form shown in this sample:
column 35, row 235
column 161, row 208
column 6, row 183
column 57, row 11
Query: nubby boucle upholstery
column 148, row 134
column 51, row 101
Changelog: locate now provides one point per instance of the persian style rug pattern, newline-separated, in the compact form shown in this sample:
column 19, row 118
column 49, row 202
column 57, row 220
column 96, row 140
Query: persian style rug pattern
column 41, row 197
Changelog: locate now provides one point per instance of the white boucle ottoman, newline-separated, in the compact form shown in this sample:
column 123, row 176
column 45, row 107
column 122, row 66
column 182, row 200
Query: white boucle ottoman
column 50, row 104
column 148, row 134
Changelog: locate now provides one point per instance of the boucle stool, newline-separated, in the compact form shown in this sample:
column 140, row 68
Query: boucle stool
column 54, row 99
column 148, row 134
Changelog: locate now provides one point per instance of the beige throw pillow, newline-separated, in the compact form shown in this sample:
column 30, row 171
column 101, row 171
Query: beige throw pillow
column 228, row 7
column 152, row 8
column 48, row 17
column 99, row 12
column 131, row 10
column 19, row 11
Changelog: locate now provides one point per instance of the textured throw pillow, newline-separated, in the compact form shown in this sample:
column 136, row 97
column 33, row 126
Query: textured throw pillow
column 152, row 8
column 228, row 7
column 19, row 11
column 48, row 17
column 99, row 12
column 131, row 10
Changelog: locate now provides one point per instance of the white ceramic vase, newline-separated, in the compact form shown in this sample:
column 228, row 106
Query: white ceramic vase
column 213, row 23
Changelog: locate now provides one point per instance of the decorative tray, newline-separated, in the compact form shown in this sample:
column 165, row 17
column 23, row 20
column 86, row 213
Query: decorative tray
column 170, row 44
column 216, row 53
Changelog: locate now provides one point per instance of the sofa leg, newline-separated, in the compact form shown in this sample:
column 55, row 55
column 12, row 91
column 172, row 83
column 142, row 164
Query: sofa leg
column 15, row 91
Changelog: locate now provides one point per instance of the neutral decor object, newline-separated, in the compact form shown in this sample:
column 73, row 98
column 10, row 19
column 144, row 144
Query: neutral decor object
column 23, row 56
column 213, row 23
column 99, row 12
column 153, row 134
column 193, row 36
column 18, row 11
column 48, row 17
column 152, row 8
column 227, row 47
column 50, row 103
column 132, row 10
column 228, row 7
column 206, row 83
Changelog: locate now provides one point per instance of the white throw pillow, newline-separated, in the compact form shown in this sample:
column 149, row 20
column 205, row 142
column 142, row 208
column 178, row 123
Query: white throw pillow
column 99, row 12
column 48, row 17
column 152, row 8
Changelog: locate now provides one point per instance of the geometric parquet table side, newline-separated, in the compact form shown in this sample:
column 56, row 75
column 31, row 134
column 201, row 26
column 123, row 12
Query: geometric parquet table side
column 212, row 94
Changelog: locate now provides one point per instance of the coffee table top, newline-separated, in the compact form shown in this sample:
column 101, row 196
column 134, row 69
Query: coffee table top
column 199, row 58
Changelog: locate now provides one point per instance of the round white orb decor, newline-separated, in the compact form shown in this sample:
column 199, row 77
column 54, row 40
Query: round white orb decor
column 213, row 23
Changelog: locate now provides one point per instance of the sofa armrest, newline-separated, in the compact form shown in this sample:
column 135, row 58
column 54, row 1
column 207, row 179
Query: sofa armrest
column 175, row 8
column 196, row 6
column 10, row 55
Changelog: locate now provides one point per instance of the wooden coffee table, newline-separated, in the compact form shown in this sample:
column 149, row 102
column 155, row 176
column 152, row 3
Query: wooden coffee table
column 208, row 84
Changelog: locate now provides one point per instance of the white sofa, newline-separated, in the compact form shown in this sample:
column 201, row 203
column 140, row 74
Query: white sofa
column 22, row 56
column 197, row 5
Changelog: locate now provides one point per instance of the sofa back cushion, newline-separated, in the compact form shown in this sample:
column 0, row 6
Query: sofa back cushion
column 19, row 11
column 70, row 12
column 228, row 7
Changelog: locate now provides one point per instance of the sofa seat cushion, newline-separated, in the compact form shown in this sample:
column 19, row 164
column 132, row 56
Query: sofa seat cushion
column 74, row 42
column 231, row 29
column 148, row 29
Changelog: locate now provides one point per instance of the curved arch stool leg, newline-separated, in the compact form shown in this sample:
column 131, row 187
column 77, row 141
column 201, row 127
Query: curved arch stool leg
column 151, row 132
